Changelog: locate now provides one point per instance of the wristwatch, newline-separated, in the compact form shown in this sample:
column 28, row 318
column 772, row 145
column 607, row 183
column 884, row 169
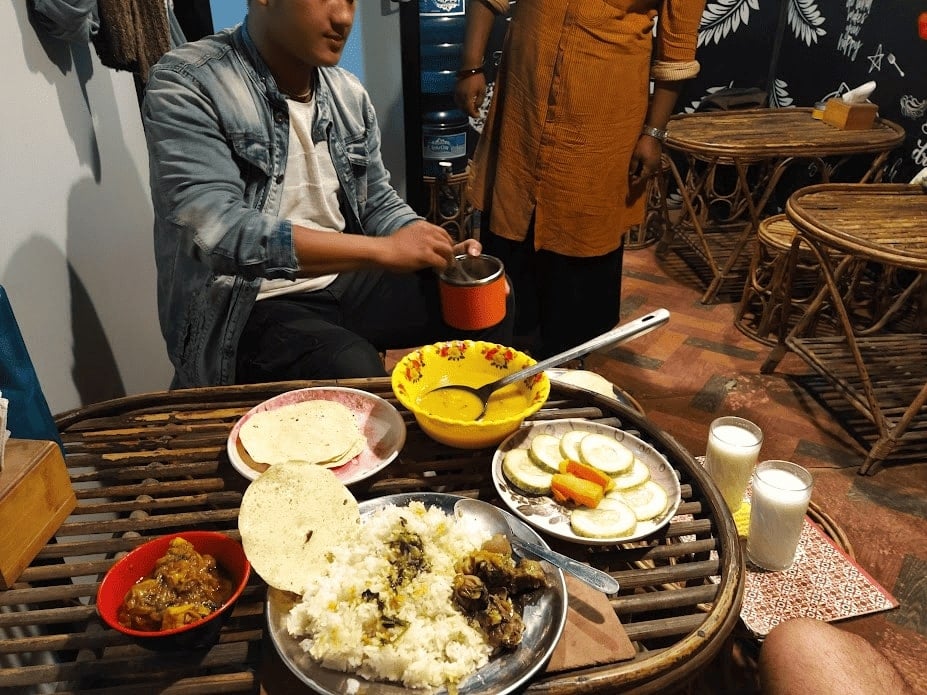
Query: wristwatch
column 654, row 133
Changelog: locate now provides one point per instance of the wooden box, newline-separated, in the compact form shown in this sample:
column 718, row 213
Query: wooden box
column 846, row 116
column 35, row 498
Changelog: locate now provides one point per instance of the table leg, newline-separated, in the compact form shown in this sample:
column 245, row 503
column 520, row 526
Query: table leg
column 887, row 442
column 746, row 233
column 827, row 357
column 876, row 169
column 778, row 352
column 689, row 190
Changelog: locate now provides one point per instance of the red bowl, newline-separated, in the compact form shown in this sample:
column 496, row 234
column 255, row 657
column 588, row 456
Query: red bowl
column 138, row 563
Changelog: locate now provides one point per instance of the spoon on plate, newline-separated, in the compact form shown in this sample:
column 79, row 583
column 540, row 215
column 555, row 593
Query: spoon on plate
column 621, row 333
column 493, row 518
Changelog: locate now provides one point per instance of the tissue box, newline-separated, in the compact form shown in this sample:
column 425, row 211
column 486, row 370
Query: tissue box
column 36, row 497
column 846, row 116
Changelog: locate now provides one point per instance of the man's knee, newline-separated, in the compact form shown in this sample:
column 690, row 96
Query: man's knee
column 810, row 656
column 355, row 359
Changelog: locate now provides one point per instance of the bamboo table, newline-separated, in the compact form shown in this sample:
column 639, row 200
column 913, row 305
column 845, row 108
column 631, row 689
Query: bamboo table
column 762, row 143
column 152, row 464
column 871, row 243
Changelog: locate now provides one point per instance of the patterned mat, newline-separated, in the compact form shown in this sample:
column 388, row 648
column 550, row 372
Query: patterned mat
column 822, row 583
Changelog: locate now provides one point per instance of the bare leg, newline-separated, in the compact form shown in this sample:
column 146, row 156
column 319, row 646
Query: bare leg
column 802, row 656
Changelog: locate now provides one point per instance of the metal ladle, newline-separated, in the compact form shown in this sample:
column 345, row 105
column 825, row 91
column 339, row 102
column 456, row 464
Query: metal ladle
column 621, row 333
column 496, row 522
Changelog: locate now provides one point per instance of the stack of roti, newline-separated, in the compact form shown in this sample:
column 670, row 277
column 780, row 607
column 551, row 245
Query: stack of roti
column 318, row 432
column 290, row 517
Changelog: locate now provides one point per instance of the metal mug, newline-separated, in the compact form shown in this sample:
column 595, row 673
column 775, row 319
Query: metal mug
column 473, row 292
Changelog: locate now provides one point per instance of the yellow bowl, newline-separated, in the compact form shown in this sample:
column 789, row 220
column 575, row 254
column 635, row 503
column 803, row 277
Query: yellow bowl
column 471, row 363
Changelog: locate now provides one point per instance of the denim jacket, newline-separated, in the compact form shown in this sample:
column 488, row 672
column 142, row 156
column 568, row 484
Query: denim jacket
column 217, row 129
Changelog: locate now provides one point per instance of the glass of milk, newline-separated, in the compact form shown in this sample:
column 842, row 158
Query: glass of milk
column 733, row 449
column 781, row 493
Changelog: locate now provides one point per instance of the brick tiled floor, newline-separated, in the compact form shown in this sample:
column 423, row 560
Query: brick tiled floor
column 699, row 366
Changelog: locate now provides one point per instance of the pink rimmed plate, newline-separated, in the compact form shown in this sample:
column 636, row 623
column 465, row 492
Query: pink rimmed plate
column 379, row 422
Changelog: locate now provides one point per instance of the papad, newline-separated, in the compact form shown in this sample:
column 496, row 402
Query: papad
column 290, row 517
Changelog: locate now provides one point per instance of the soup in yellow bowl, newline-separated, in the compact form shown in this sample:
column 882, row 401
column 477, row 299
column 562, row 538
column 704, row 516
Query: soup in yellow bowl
column 449, row 416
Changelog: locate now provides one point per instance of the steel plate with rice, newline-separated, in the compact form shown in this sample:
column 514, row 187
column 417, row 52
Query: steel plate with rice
column 315, row 423
column 544, row 617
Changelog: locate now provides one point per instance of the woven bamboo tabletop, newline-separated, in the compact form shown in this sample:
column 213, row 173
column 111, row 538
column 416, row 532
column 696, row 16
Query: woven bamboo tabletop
column 155, row 463
column 886, row 223
column 768, row 133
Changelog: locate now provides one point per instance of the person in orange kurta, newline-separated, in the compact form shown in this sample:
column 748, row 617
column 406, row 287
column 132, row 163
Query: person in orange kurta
column 572, row 135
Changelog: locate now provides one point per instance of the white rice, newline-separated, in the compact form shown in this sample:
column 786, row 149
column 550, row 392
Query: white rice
column 438, row 648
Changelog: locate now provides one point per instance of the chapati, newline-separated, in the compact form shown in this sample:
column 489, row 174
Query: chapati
column 290, row 517
column 317, row 432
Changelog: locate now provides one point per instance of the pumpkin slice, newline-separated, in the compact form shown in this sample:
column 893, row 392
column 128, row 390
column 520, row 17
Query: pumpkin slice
column 581, row 470
column 566, row 486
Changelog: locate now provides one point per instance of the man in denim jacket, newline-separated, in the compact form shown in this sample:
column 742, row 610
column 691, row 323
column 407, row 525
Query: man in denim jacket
column 282, row 250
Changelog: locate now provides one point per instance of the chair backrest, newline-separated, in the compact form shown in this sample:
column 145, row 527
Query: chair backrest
column 28, row 416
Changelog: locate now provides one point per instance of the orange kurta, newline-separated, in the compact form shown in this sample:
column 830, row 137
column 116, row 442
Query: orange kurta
column 570, row 100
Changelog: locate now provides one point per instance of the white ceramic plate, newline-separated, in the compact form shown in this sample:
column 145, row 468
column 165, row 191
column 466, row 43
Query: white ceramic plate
column 544, row 618
column 379, row 422
column 553, row 518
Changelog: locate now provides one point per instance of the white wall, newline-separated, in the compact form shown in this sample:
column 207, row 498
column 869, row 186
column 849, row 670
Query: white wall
column 382, row 76
column 75, row 219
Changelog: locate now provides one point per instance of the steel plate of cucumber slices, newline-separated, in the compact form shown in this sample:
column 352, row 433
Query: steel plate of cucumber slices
column 585, row 482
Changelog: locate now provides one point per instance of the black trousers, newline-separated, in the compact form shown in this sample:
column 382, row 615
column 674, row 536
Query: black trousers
column 561, row 301
column 340, row 331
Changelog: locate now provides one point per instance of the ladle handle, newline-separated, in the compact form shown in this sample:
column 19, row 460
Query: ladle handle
column 626, row 331
column 594, row 577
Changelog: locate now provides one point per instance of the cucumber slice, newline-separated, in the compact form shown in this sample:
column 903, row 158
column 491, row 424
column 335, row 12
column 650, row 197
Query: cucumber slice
column 613, row 521
column 569, row 444
column 613, row 502
column 648, row 500
column 545, row 452
column 524, row 474
column 605, row 453
column 638, row 474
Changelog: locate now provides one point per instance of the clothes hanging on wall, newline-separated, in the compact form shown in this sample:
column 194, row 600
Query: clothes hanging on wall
column 129, row 35
column 74, row 21
column 133, row 35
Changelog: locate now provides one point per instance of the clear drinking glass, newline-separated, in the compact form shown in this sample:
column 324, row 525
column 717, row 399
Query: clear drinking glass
column 733, row 449
column 781, row 493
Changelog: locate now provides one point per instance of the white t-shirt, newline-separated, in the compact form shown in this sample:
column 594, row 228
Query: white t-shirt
column 310, row 193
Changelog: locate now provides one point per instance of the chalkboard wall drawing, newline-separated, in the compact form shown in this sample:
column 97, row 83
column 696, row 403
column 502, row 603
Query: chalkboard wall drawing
column 802, row 52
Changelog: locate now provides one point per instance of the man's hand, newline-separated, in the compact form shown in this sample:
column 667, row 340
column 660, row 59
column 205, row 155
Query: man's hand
column 412, row 247
column 471, row 247
column 417, row 245
column 645, row 160
column 470, row 93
